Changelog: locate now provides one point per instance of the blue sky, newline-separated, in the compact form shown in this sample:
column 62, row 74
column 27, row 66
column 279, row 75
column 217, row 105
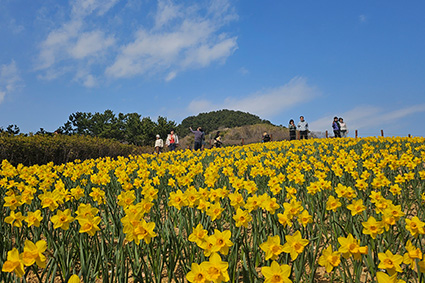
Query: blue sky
column 361, row 60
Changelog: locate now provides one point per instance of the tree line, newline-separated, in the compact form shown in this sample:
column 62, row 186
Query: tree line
column 132, row 128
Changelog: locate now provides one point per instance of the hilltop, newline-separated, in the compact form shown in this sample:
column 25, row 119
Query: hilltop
column 215, row 120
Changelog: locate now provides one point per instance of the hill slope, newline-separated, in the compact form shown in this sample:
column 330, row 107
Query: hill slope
column 246, row 134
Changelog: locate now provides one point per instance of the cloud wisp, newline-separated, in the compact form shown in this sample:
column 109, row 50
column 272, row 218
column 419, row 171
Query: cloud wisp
column 9, row 79
column 267, row 103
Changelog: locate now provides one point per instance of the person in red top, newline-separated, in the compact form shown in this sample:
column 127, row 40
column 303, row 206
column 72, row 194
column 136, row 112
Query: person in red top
column 172, row 140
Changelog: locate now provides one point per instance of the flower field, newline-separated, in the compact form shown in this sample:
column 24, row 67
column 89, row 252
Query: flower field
column 334, row 210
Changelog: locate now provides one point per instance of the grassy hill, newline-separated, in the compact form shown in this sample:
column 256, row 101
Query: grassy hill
column 247, row 134
column 215, row 120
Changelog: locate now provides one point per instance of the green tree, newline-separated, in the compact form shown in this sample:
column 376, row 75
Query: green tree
column 133, row 128
column 12, row 130
column 81, row 122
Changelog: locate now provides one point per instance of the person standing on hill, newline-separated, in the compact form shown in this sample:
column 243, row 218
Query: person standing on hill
column 159, row 144
column 336, row 128
column 292, row 130
column 217, row 140
column 199, row 137
column 172, row 140
column 303, row 128
column 343, row 128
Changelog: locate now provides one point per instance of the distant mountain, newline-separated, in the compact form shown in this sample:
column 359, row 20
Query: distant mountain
column 215, row 120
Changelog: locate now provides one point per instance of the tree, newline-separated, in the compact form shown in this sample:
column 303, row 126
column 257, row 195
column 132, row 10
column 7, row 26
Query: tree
column 81, row 121
column 12, row 129
column 41, row 132
column 133, row 128
column 148, row 131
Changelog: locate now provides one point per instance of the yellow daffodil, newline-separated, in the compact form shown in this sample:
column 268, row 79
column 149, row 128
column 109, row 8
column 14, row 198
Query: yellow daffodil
column 221, row 241
column 332, row 204
column 74, row 279
column 412, row 254
column 14, row 219
column 14, row 263
column 390, row 262
column 198, row 273
column 89, row 224
column 242, row 218
column 199, row 235
column 385, row 278
column 272, row 247
column 415, row 226
column 295, row 244
column 33, row 253
column 276, row 273
column 177, row 199
column 34, row 218
column 217, row 269
column 329, row 259
column 62, row 219
column 356, row 207
column 372, row 227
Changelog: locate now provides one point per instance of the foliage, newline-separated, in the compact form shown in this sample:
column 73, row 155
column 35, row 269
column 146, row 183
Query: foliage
column 11, row 130
column 215, row 120
column 42, row 149
column 272, row 212
column 129, row 128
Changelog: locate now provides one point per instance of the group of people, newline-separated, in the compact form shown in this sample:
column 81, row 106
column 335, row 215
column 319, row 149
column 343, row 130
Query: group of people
column 302, row 126
column 172, row 140
column 339, row 127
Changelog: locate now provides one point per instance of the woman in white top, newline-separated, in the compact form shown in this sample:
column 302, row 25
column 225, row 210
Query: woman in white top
column 343, row 128
column 159, row 144
column 172, row 141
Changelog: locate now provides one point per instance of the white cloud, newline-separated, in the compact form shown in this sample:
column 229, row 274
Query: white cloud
column 170, row 76
column 87, row 79
column 90, row 43
column 9, row 79
column 267, row 103
column 179, row 37
column 90, row 81
column 83, row 8
column 167, row 12
column 53, row 49
column 369, row 118
column 182, row 38
column 205, row 54
column 2, row 95
column 74, row 43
